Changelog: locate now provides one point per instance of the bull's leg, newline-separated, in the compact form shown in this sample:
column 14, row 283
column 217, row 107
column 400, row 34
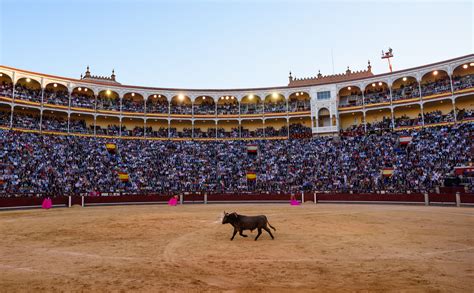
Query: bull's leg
column 233, row 235
column 240, row 232
column 259, row 233
column 269, row 232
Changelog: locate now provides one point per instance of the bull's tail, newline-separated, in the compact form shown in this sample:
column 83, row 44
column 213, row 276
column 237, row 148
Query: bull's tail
column 271, row 226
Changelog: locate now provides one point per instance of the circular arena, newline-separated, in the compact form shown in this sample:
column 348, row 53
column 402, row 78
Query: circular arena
column 317, row 247
column 162, row 174
column 366, row 178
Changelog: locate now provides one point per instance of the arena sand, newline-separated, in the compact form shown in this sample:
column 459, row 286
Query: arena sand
column 186, row 248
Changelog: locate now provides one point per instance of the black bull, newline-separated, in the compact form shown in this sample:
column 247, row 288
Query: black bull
column 242, row 223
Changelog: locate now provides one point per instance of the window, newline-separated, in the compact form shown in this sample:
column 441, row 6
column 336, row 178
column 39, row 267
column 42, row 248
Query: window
column 324, row 95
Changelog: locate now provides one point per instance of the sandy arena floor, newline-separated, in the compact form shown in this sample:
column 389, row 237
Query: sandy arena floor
column 317, row 248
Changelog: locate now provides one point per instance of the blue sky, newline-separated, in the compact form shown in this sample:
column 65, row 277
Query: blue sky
column 227, row 44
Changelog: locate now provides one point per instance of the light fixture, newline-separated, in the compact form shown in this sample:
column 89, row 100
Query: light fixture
column 181, row 97
column 204, row 97
column 28, row 80
column 471, row 64
column 85, row 89
column 79, row 89
column 349, row 88
column 464, row 66
column 250, row 97
column 232, row 97
column 154, row 96
column 55, row 85
column 435, row 72
column 301, row 93
column 404, row 79
column 226, row 97
column 133, row 94
column 297, row 94
column 108, row 92
column 380, row 83
column 373, row 84
column 1, row 74
column 275, row 95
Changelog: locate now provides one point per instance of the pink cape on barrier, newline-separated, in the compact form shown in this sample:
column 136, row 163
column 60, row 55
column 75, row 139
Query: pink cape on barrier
column 173, row 201
column 294, row 202
column 47, row 203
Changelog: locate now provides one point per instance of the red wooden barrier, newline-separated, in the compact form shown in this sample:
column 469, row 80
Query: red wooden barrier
column 10, row 202
column 414, row 197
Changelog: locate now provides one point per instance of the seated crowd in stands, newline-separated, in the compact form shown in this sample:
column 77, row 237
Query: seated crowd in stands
column 6, row 89
column 228, row 108
column 129, row 105
column 111, row 104
column 181, row 109
column 24, row 93
column 157, row 106
column 278, row 107
column 406, row 92
column 380, row 95
column 207, row 107
column 62, row 165
column 299, row 106
column 463, row 82
column 222, row 133
column 58, row 97
column 436, row 87
column 82, row 101
column 251, row 108
column 352, row 100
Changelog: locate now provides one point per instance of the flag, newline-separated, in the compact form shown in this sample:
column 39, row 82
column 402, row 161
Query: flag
column 251, row 175
column 123, row 176
column 387, row 172
column 404, row 140
column 111, row 147
column 252, row 149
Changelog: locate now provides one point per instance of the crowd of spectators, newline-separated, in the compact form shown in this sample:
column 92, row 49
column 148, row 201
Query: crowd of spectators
column 157, row 106
column 255, row 108
column 80, row 126
column 56, row 97
column 298, row 130
column 162, row 132
column 438, row 117
column 130, row 105
column 464, row 114
column 6, row 89
column 181, row 108
column 54, row 123
column 228, row 108
column 404, row 121
column 299, row 106
column 406, row 91
column 352, row 100
column 28, row 94
column 233, row 133
column 26, row 121
column 275, row 107
column 5, row 118
column 106, row 103
column 439, row 86
column 82, row 101
column 63, row 165
column 206, row 107
column 463, row 82
column 375, row 95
